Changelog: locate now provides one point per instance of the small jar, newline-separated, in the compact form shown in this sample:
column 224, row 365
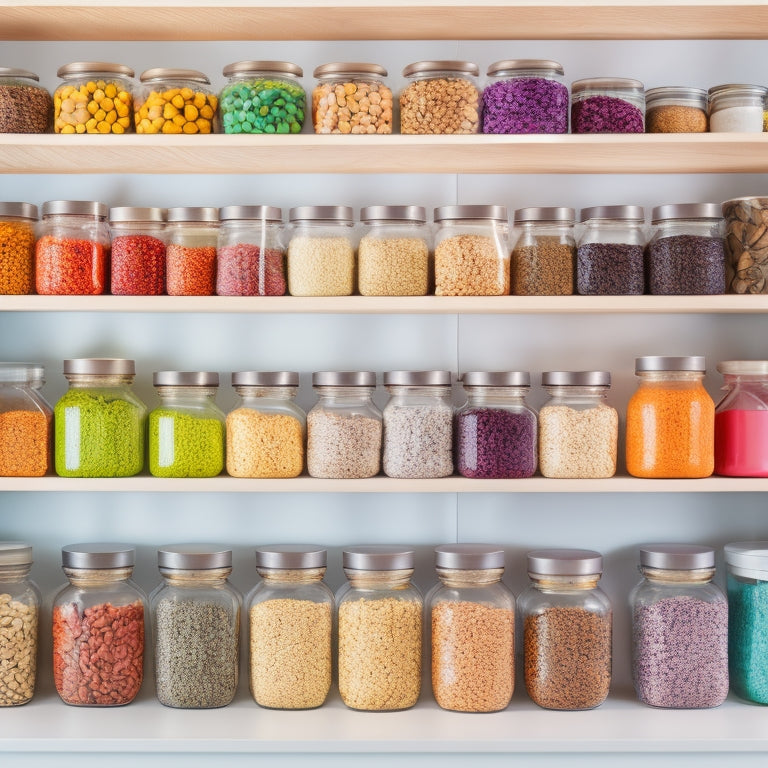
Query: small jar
column 686, row 252
column 290, row 616
column 20, row 601
column 98, row 618
column 25, row 106
column 321, row 251
column 73, row 249
column 746, row 245
column 186, row 431
column 351, row 98
column 380, row 614
column 99, row 422
column 26, row 422
column 607, row 105
column 393, row 257
column 673, row 109
column 250, row 257
column 543, row 261
column 440, row 97
column 609, row 255
column 679, row 629
column 496, row 431
column 736, row 108
column 196, row 627
column 670, row 419
column 191, row 251
column 94, row 97
column 17, row 245
column 471, row 250
column 175, row 101
column 138, row 251
column 567, row 628
column 472, row 619
column 578, row 429
column 525, row 96
column 418, row 424
column 344, row 427
column 262, row 97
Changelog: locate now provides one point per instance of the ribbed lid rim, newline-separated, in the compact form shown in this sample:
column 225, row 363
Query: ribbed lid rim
column 86, row 67
column 20, row 210
column 661, row 363
column 676, row 92
column 378, row 558
column 737, row 89
column 14, row 72
column 744, row 367
column 469, row 556
column 496, row 379
column 344, row 379
column 456, row 212
column 170, row 73
column 621, row 212
column 576, row 379
column 265, row 379
column 74, row 208
column 612, row 83
column 98, row 555
column 291, row 556
column 15, row 553
column 417, row 378
column 247, row 67
column 556, row 214
column 19, row 372
column 251, row 212
column 194, row 213
column 336, row 213
column 462, row 67
column 677, row 557
column 114, row 366
column 185, row 379
column 408, row 213
column 511, row 65
column 565, row 562
column 194, row 557
column 131, row 213
column 686, row 211
column 349, row 68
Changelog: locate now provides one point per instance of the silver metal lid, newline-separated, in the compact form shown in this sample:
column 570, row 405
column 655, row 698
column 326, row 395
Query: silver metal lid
column 459, row 67
column 22, row 372
column 14, row 72
column 417, row 378
column 748, row 558
column 100, row 366
column 416, row 214
column 194, row 557
column 251, row 213
column 496, row 379
column 557, row 214
column 576, row 379
column 74, row 208
column 333, row 213
column 620, row 212
column 265, row 379
column 194, row 213
column 457, row 212
column 89, row 67
column 98, row 556
column 696, row 97
column 743, row 367
column 565, row 562
column 652, row 363
column 15, row 553
column 677, row 557
column 291, row 556
column 163, row 73
column 349, row 68
column 185, row 379
column 606, row 83
column 469, row 556
column 686, row 211
column 19, row 210
column 272, row 67
column 344, row 379
column 129, row 213
column 378, row 558
column 528, row 65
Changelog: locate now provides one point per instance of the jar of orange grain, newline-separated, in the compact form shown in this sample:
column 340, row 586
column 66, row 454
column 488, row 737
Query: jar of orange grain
column 670, row 420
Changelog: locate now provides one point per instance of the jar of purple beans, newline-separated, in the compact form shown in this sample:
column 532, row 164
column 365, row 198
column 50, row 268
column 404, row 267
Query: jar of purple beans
column 607, row 105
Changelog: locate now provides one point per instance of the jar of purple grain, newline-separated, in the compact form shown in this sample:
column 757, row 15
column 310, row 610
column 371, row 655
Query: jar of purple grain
column 607, row 105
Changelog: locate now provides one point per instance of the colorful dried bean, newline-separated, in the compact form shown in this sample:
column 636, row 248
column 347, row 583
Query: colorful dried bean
column 440, row 105
column 138, row 265
column 176, row 110
column 352, row 108
column 95, row 106
column 17, row 257
column 191, row 270
column 262, row 105
column 70, row 266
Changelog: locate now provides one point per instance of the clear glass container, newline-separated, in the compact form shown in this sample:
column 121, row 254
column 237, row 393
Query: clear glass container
column 17, row 246
column 196, row 627
column 670, row 419
column 290, row 617
column 736, row 108
column 679, row 629
column 567, row 630
column 676, row 109
column 193, row 234
column 472, row 621
column 380, row 616
column 98, row 627
column 25, row 106
column 607, row 105
column 746, row 245
column 138, row 251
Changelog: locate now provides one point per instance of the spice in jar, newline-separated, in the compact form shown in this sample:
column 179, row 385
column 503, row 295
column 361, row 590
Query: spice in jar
column 138, row 251
column 25, row 106
column 175, row 101
column 746, row 244
column 671, row 109
column 607, row 105
column 17, row 248
column 191, row 251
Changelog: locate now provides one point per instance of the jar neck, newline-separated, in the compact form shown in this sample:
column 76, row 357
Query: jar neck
column 195, row 578
column 186, row 393
column 82, row 577
column 663, row 376
column 423, row 391
column 469, row 578
column 17, row 572
column 291, row 575
column 98, row 380
column 512, row 395
column 549, row 583
column 349, row 394
column 669, row 576
column 593, row 393
column 400, row 579
column 278, row 393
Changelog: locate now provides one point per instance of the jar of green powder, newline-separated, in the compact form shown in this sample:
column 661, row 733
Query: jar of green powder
column 99, row 422
column 186, row 432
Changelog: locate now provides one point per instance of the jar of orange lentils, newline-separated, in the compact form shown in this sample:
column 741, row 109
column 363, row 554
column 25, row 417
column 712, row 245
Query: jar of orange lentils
column 670, row 420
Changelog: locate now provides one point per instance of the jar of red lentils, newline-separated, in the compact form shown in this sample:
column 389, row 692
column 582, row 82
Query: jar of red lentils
column 17, row 247
column 138, row 251
column 25, row 106
column 192, row 237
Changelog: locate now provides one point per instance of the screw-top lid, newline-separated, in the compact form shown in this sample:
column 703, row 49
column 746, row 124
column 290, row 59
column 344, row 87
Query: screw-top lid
column 748, row 558
column 89, row 67
column 496, row 379
column 417, row 378
column 251, row 213
column 98, row 556
column 272, row 67
column 743, row 367
column 162, row 73
column 652, row 363
column 131, row 213
column 619, row 212
column 576, row 379
column 606, row 83
column 185, row 379
column 344, row 379
column 332, row 213
column 565, row 562
column 74, row 208
column 349, row 68
column 679, row 94
column 194, row 213
column 14, row 72
column 15, row 553
column 469, row 556
column 415, row 214
column 100, row 366
column 510, row 66
column 736, row 89
column 555, row 215
column 378, row 558
column 677, row 557
column 194, row 557
column 291, row 556
column 19, row 210
column 458, row 67
column 686, row 211
column 22, row 372
column 265, row 379
column 459, row 212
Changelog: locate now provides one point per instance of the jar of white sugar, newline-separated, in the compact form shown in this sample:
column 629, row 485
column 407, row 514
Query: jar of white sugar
column 736, row 108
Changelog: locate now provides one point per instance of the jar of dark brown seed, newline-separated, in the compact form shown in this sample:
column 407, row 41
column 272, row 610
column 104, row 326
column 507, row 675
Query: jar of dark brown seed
column 25, row 106
column 676, row 109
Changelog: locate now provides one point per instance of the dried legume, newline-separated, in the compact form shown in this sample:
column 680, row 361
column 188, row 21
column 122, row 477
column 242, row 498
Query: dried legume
column 25, row 443
column 176, row 110
column 686, row 264
column 343, row 446
column 191, row 271
column 393, row 266
column 17, row 257
column 449, row 105
column 320, row 266
column 138, row 265
column 18, row 650
column 418, row 441
column 262, row 105
column 184, row 445
column 352, row 107
column 544, row 269
column 70, row 266
column 95, row 106
column 244, row 269
column 610, row 269
column 470, row 265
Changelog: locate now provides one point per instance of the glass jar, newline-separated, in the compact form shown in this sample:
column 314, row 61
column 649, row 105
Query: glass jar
column 440, row 97
column 93, row 97
column 472, row 618
column 393, row 256
column 686, row 253
column 290, row 615
column 418, row 424
column 607, row 105
column 196, row 627
column 138, row 251
column 321, row 251
column 98, row 618
column 186, row 431
column 670, row 419
column 525, row 96
column 351, row 98
column 191, row 251
column 25, row 106
column 567, row 628
column 99, row 422
column 609, row 255
column 578, row 429
column 543, row 261
column 471, row 250
column 673, row 109
column 250, row 257
column 380, row 614
column 746, row 245
column 679, row 629
column 344, row 426
column 72, row 249
column 175, row 101
column 736, row 108
column 496, row 432
column 17, row 245
column 262, row 97
column 26, row 422
column 20, row 601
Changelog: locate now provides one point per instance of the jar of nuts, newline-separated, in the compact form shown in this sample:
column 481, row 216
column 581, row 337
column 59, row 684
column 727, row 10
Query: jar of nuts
column 672, row 109
column 25, row 106
column 746, row 244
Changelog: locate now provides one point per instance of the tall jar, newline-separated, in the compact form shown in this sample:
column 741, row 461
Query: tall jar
column 25, row 106
column 578, row 428
column 138, row 251
column 99, row 422
column 72, row 249
column 670, row 419
column 672, row 109
column 679, row 629
column 186, row 431
column 17, row 247
column 567, row 629
column 98, row 617
column 380, row 614
column 20, row 601
column 607, row 105
column 344, row 426
column 290, row 616
column 736, row 108
column 26, row 422
column 196, row 627
column 472, row 619
column 191, row 251
column 746, row 245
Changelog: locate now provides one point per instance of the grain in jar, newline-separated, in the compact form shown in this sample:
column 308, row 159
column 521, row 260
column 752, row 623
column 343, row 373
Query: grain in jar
column 191, row 251
column 138, row 251
column 676, row 109
column 746, row 244
column 25, row 106
column 607, row 105
column 17, row 248
column 736, row 108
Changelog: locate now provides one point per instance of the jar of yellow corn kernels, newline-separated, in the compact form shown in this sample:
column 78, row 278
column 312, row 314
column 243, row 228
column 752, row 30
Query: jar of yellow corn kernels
column 175, row 101
column 93, row 97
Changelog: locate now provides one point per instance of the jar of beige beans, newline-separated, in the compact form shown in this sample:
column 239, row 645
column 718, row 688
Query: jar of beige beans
column 380, row 615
